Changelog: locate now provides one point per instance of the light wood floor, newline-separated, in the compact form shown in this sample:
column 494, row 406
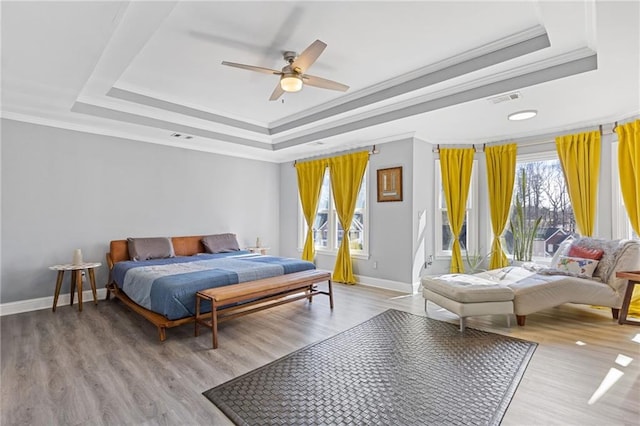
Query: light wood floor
column 106, row 365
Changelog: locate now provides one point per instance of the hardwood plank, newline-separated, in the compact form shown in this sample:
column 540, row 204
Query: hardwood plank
column 105, row 366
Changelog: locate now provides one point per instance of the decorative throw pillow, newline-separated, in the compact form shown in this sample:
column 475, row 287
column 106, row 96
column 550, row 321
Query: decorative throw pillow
column 578, row 266
column 150, row 248
column 609, row 247
column 585, row 252
column 220, row 243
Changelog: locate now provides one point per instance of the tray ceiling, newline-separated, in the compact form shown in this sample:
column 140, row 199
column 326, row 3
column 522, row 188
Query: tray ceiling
column 147, row 70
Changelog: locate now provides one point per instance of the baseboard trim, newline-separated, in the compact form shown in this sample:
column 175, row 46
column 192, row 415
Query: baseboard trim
column 386, row 284
column 29, row 305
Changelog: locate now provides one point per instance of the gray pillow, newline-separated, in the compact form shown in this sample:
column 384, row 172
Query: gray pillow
column 150, row 248
column 220, row 243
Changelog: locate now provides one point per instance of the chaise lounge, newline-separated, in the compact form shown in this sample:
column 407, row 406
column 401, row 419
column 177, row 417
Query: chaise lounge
column 532, row 287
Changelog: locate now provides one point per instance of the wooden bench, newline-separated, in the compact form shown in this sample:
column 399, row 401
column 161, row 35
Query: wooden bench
column 235, row 300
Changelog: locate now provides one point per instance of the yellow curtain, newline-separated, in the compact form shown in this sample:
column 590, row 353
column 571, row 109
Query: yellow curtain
column 501, row 169
column 310, row 176
column 346, row 174
column 629, row 172
column 580, row 158
column 455, row 168
column 629, row 169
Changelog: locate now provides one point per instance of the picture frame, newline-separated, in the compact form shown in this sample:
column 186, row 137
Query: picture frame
column 390, row 184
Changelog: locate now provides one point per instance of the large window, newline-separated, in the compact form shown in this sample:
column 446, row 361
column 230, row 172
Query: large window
column 327, row 230
column 469, row 234
column 544, row 196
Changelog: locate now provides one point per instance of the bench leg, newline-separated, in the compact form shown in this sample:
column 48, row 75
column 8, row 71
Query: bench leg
column 214, row 324
column 309, row 297
column 162, row 333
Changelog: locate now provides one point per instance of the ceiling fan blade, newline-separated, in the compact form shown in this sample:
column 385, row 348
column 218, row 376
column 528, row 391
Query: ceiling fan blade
column 252, row 68
column 309, row 56
column 277, row 92
column 323, row 83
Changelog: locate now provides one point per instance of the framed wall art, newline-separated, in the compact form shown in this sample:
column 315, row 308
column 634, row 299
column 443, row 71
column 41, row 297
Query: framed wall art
column 390, row 184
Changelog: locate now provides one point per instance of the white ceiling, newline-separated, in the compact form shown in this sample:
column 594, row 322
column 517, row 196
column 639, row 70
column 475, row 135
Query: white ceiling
column 144, row 70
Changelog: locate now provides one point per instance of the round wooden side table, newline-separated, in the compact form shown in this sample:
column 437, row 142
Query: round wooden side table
column 76, row 280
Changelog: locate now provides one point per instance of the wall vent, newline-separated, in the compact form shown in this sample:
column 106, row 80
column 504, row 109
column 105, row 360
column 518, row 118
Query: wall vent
column 505, row 97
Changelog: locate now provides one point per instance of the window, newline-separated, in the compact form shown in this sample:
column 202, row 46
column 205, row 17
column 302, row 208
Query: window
column 327, row 230
column 545, row 196
column 469, row 234
column 621, row 224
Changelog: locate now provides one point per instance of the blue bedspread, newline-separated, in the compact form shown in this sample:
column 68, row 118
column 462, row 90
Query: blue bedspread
column 169, row 286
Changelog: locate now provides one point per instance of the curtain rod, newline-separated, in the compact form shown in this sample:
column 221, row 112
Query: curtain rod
column 550, row 137
column 372, row 151
column 479, row 148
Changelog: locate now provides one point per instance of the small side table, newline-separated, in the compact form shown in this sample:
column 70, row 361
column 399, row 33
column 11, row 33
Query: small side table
column 76, row 280
column 259, row 250
column 633, row 278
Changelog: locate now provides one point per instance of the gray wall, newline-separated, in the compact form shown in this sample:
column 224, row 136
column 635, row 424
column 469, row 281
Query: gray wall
column 423, row 207
column 391, row 234
column 63, row 190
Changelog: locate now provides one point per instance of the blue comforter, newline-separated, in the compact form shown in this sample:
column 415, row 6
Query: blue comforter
column 169, row 286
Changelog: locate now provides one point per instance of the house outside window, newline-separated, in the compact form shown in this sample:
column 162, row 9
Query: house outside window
column 469, row 235
column 327, row 230
column 545, row 196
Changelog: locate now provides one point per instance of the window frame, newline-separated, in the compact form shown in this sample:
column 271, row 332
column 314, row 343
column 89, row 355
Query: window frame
column 472, row 213
column 332, row 223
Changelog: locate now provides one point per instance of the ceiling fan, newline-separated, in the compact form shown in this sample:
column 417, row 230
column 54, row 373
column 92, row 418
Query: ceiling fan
column 292, row 76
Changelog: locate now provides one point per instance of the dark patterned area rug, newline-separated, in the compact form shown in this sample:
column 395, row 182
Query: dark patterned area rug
column 394, row 369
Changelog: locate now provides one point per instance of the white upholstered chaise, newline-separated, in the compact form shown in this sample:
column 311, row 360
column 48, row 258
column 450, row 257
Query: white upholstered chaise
column 535, row 289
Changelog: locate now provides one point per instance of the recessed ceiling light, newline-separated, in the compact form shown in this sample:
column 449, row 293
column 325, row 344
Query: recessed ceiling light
column 523, row 115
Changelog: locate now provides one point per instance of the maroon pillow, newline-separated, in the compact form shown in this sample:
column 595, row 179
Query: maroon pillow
column 585, row 253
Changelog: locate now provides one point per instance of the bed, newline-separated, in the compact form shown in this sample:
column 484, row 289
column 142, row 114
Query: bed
column 163, row 290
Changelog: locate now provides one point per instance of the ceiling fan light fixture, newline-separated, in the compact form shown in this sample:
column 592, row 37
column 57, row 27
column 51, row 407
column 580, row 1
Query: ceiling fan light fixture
column 522, row 115
column 291, row 83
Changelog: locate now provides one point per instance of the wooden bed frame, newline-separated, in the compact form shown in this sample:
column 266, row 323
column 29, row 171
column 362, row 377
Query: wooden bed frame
column 182, row 246
column 119, row 251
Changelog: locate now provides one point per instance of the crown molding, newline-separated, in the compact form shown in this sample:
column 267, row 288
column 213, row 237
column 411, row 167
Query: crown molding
column 139, row 98
column 110, row 113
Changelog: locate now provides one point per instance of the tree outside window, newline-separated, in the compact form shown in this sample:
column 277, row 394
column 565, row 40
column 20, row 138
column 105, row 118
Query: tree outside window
column 545, row 196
